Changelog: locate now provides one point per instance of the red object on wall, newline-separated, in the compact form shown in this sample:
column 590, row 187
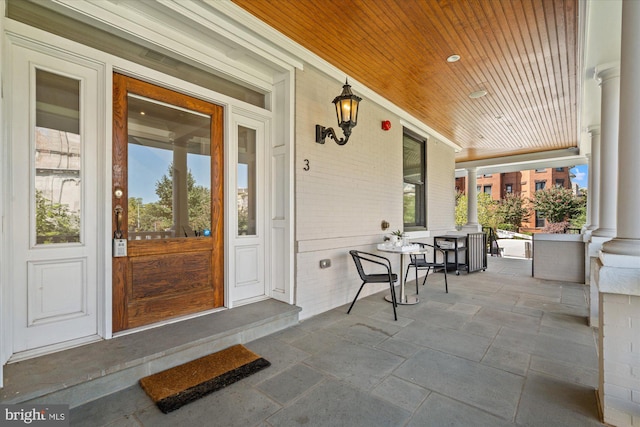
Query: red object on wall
column 386, row 125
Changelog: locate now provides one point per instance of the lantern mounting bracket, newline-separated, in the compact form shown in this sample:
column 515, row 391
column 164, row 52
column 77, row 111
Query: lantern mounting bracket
column 322, row 133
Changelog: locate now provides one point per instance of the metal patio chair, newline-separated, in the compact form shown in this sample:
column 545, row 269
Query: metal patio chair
column 420, row 262
column 359, row 258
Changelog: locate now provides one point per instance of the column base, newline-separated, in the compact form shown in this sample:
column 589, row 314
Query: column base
column 618, row 280
column 604, row 232
column 620, row 246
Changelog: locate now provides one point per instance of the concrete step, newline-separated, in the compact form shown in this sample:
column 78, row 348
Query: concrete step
column 80, row 375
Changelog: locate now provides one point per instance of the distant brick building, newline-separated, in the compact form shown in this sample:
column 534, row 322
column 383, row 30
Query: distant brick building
column 524, row 183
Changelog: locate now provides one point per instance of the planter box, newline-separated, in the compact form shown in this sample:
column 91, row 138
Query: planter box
column 558, row 257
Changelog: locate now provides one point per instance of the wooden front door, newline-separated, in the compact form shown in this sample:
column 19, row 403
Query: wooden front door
column 167, row 198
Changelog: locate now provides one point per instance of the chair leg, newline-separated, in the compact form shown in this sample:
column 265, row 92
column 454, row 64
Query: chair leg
column 427, row 275
column 446, row 286
column 354, row 300
column 393, row 298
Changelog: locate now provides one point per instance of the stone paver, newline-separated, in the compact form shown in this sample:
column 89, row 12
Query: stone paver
column 501, row 348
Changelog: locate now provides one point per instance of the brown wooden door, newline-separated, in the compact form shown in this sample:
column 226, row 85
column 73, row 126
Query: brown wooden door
column 168, row 189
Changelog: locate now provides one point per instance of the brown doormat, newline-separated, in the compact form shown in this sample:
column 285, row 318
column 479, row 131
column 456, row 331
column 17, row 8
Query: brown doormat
column 183, row 384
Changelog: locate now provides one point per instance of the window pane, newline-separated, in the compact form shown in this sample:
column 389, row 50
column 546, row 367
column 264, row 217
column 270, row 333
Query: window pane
column 169, row 171
column 413, row 192
column 246, row 181
column 58, row 190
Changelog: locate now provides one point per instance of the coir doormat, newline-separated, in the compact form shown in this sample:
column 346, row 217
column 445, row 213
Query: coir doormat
column 183, row 384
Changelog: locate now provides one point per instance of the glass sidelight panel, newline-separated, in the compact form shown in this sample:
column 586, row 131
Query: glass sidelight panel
column 246, row 191
column 169, row 171
column 58, row 189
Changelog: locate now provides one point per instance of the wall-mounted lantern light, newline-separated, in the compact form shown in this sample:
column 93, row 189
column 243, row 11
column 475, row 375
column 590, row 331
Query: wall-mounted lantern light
column 347, row 111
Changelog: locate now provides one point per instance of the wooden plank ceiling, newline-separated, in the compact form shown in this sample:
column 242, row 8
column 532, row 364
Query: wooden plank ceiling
column 522, row 52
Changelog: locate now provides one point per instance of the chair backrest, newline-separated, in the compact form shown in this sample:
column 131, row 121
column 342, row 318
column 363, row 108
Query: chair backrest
column 356, row 259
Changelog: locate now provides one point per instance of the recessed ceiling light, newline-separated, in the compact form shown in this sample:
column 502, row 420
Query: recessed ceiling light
column 478, row 94
column 453, row 58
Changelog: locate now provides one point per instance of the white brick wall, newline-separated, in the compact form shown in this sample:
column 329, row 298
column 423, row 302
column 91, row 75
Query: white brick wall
column 441, row 183
column 349, row 190
column 620, row 349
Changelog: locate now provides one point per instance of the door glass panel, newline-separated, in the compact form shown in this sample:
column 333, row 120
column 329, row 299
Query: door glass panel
column 246, row 190
column 169, row 171
column 58, row 190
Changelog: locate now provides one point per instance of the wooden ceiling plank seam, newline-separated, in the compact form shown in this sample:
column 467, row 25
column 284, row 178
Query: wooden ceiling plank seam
column 563, row 66
column 546, row 44
column 435, row 24
column 508, row 83
column 526, row 71
column 551, row 17
column 552, row 32
column 572, row 52
column 502, row 77
column 483, row 108
column 569, row 52
column 525, row 30
column 514, row 67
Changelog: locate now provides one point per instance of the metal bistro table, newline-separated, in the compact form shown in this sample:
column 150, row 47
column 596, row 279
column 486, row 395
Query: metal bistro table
column 402, row 250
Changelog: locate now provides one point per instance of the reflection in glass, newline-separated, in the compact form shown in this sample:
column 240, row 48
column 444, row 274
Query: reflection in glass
column 246, row 190
column 169, row 171
column 58, row 190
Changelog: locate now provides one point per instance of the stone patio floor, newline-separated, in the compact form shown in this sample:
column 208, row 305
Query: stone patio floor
column 500, row 349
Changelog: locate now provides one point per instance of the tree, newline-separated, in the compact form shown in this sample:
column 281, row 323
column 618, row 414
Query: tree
column 159, row 215
column 557, row 204
column 55, row 223
column 513, row 211
column 461, row 209
column 488, row 215
column 580, row 219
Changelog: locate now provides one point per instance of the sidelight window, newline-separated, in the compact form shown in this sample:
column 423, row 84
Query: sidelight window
column 57, row 159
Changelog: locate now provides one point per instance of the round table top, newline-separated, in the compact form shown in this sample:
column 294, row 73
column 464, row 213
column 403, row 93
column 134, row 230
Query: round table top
column 406, row 249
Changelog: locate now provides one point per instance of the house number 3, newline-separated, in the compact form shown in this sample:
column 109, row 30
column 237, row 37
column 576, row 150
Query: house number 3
column 306, row 165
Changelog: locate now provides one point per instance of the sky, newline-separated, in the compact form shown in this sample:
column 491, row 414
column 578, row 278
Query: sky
column 582, row 173
column 148, row 165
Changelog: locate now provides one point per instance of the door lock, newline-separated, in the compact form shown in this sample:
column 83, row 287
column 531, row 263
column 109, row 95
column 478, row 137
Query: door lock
column 119, row 244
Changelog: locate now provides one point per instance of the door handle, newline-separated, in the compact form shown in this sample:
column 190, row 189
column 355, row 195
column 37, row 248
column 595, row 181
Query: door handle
column 118, row 212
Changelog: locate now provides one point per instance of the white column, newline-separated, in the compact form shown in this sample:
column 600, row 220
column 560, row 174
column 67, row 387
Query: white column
column 593, row 245
column 619, row 262
column 610, row 107
column 627, row 241
column 472, row 225
column 593, row 194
